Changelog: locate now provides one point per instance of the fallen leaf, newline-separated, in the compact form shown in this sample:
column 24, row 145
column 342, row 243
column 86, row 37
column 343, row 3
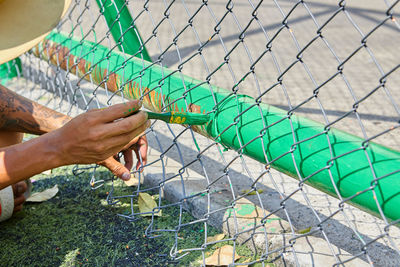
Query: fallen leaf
column 245, row 191
column 222, row 256
column 147, row 204
column 134, row 181
column 215, row 238
column 48, row 172
column 44, row 195
column 304, row 231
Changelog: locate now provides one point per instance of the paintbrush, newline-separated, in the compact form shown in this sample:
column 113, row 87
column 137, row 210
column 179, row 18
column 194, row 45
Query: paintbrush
column 188, row 118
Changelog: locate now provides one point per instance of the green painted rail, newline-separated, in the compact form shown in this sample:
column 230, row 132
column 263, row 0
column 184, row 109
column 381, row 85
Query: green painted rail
column 120, row 24
column 260, row 131
column 10, row 70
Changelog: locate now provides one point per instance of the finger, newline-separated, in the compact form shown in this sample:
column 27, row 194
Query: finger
column 118, row 111
column 19, row 188
column 126, row 125
column 143, row 150
column 19, row 200
column 138, row 163
column 119, row 141
column 132, row 143
column 128, row 158
column 116, row 168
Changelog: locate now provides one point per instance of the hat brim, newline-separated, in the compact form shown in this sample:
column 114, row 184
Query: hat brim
column 24, row 23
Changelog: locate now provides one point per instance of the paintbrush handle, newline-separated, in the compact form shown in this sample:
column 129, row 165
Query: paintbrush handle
column 180, row 118
column 164, row 116
column 188, row 118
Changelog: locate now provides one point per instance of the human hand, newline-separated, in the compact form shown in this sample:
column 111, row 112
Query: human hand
column 138, row 145
column 97, row 135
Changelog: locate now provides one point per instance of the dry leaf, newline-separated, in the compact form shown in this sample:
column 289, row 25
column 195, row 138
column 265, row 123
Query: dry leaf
column 48, row 172
column 215, row 238
column 304, row 231
column 44, row 195
column 222, row 256
column 245, row 191
column 134, row 181
column 147, row 204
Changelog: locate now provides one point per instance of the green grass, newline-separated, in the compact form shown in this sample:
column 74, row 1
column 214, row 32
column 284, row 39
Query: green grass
column 78, row 228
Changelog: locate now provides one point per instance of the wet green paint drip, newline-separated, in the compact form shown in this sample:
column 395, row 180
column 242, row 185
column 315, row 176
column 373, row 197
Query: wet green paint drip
column 228, row 213
column 196, row 144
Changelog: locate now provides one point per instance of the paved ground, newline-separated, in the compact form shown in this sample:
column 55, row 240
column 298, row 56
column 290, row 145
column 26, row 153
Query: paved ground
column 348, row 230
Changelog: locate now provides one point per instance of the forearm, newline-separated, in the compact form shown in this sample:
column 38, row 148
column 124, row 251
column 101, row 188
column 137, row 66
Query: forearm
column 19, row 114
column 21, row 161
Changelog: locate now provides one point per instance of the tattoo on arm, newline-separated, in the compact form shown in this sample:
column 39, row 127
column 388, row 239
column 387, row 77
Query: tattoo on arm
column 20, row 114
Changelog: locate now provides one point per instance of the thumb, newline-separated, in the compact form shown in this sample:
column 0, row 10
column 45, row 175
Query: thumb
column 116, row 168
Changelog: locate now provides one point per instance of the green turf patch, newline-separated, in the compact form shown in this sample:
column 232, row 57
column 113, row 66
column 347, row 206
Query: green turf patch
column 78, row 227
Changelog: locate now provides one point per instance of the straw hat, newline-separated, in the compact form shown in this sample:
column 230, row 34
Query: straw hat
column 24, row 23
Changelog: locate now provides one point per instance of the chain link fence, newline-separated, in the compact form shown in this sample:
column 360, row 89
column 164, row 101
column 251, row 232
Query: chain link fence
column 332, row 62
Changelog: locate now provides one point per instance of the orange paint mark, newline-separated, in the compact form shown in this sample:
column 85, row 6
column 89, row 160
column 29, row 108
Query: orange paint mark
column 71, row 64
column 81, row 66
column 112, row 82
column 130, row 90
column 63, row 57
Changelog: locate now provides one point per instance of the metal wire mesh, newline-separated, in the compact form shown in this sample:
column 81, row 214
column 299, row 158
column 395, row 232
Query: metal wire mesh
column 331, row 61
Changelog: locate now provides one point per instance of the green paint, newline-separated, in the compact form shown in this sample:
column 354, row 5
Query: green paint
column 228, row 213
column 272, row 229
column 350, row 173
column 180, row 118
column 272, row 219
column 186, row 118
column 245, row 209
column 130, row 111
column 119, row 22
column 10, row 70
column 196, row 144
